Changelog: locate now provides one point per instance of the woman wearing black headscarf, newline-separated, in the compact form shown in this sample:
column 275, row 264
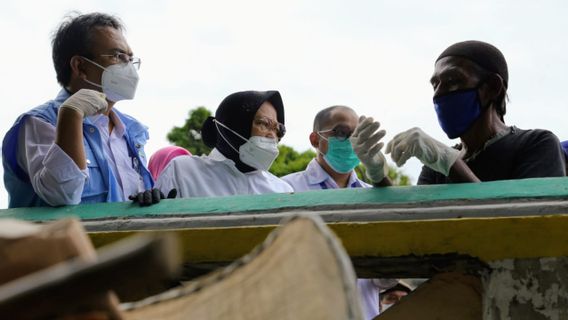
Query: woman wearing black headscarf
column 244, row 135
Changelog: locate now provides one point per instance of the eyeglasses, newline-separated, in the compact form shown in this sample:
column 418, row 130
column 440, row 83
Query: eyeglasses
column 121, row 57
column 268, row 125
column 340, row 132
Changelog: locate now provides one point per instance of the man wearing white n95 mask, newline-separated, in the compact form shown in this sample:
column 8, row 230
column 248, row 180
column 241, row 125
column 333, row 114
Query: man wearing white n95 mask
column 244, row 135
column 78, row 148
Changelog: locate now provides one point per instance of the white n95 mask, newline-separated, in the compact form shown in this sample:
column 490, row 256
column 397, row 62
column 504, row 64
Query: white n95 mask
column 118, row 81
column 257, row 152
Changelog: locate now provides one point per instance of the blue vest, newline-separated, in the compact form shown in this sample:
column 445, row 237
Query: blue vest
column 101, row 185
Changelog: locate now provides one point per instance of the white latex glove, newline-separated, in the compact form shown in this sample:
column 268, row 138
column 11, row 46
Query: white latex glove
column 87, row 102
column 416, row 143
column 365, row 141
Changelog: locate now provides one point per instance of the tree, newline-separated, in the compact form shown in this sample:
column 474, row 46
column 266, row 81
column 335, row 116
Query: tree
column 290, row 161
column 189, row 135
column 397, row 176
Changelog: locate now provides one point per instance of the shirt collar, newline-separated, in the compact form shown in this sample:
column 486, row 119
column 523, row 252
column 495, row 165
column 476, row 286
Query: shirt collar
column 101, row 121
column 97, row 120
column 488, row 143
column 62, row 95
column 118, row 124
column 316, row 175
column 216, row 155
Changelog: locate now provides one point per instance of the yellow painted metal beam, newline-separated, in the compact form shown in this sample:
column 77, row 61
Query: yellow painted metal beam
column 485, row 238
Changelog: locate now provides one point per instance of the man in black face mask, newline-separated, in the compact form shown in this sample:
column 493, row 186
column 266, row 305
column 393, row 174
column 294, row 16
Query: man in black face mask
column 470, row 89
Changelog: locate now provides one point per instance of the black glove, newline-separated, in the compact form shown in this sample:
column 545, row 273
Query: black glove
column 150, row 197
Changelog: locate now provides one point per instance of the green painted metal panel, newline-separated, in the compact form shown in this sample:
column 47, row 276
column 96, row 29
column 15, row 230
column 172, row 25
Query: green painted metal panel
column 509, row 189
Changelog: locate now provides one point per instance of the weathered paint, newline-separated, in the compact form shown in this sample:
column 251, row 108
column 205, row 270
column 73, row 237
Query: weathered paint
column 204, row 245
column 526, row 289
column 463, row 219
column 350, row 198
column 362, row 213
column 485, row 238
column 446, row 296
column 418, row 221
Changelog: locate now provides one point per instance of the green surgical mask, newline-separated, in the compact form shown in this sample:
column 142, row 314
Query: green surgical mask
column 340, row 155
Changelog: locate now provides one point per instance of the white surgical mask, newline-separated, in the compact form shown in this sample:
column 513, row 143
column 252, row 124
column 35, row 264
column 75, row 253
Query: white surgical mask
column 119, row 81
column 257, row 152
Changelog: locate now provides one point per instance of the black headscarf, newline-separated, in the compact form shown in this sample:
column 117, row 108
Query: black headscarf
column 237, row 112
column 483, row 54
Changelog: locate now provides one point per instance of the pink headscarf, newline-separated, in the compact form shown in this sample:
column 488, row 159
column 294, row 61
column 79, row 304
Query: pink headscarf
column 160, row 159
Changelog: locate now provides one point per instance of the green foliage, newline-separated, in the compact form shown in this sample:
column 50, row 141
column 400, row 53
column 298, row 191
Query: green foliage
column 189, row 135
column 397, row 177
column 290, row 161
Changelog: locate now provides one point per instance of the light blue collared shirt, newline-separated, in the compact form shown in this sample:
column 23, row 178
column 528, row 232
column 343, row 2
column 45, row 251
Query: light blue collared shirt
column 315, row 178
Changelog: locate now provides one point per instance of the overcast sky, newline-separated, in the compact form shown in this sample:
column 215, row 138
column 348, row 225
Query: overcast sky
column 375, row 56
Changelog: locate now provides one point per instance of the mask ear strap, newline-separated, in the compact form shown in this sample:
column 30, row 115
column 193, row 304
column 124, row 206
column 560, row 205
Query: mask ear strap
column 92, row 83
column 217, row 123
column 96, row 64
column 319, row 134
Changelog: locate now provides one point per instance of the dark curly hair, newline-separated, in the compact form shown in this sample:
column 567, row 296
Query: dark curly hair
column 73, row 37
